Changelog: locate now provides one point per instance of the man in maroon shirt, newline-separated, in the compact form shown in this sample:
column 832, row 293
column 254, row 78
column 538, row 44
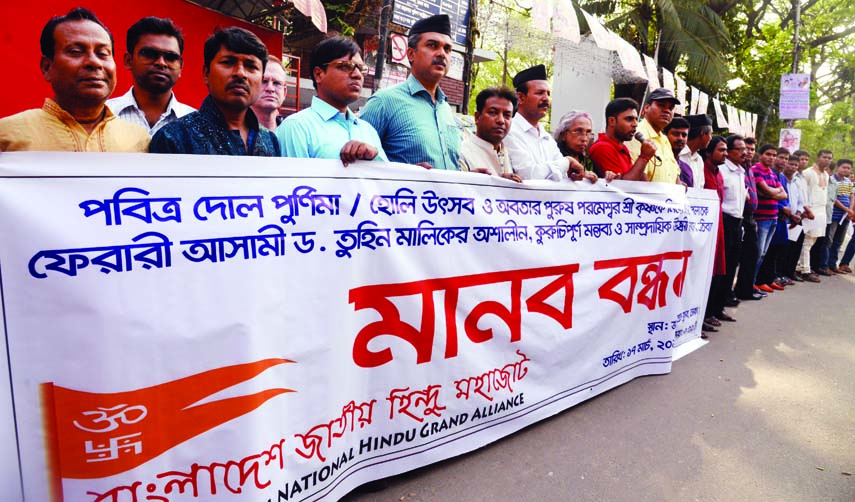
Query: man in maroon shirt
column 611, row 157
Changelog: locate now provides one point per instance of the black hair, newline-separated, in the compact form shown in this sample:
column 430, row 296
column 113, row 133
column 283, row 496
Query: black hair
column 732, row 139
column 47, row 42
column 677, row 123
column 780, row 150
column 766, row 147
column 153, row 26
column 236, row 40
column 620, row 105
column 329, row 50
column 502, row 92
column 801, row 153
column 706, row 152
column 750, row 141
column 695, row 132
column 823, row 152
column 840, row 162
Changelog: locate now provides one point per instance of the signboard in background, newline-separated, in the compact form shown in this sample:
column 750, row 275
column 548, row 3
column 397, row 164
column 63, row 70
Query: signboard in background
column 398, row 49
column 791, row 139
column 407, row 12
column 795, row 96
column 209, row 328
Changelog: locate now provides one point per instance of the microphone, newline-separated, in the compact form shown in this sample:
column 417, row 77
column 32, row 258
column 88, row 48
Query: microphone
column 641, row 139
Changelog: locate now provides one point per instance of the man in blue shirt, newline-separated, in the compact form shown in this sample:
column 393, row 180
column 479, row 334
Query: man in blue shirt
column 414, row 119
column 328, row 129
column 224, row 125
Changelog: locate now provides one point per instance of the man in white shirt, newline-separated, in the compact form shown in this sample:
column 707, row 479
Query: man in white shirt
column 155, row 47
column 700, row 134
column 533, row 151
column 484, row 151
column 734, row 195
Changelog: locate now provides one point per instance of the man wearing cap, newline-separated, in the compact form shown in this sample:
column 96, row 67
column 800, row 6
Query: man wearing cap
column 414, row 120
column 658, row 112
column 533, row 151
column 700, row 134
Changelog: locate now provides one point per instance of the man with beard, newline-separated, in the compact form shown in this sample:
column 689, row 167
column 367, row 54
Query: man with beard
column 533, row 151
column 414, row 120
column 328, row 129
column 224, row 125
column 77, row 61
column 484, row 152
column 155, row 47
column 678, row 133
column 609, row 153
column 658, row 112
column 272, row 94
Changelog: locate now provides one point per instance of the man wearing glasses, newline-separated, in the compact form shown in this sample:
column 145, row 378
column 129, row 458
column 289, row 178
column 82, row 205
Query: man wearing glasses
column 328, row 129
column 272, row 94
column 155, row 47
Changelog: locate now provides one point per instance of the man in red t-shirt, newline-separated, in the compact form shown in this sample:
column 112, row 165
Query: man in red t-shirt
column 611, row 157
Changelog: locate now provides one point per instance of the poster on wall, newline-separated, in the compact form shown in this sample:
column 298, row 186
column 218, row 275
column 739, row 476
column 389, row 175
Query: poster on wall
column 791, row 139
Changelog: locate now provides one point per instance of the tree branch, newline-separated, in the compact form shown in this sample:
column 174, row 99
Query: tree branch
column 817, row 42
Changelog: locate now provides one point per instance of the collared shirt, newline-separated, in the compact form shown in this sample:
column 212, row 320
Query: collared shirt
column 476, row 153
column 206, row 133
column 767, row 207
column 534, row 152
column 667, row 170
column 412, row 127
column 609, row 155
column 843, row 194
column 50, row 128
column 734, row 189
column 797, row 190
column 126, row 108
column 320, row 132
column 696, row 162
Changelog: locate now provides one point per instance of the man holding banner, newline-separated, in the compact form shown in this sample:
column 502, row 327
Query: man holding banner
column 235, row 60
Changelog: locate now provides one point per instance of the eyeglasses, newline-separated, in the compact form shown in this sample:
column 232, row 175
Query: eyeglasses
column 579, row 133
column 348, row 66
column 275, row 83
column 151, row 56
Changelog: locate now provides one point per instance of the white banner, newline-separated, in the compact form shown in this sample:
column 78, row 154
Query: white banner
column 652, row 72
column 565, row 24
column 683, row 107
column 720, row 121
column 220, row 328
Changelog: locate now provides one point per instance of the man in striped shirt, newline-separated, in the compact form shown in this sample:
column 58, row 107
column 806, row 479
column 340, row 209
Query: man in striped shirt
column 414, row 120
column 769, row 192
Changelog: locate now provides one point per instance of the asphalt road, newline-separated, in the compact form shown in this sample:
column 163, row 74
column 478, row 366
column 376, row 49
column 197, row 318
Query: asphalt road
column 764, row 412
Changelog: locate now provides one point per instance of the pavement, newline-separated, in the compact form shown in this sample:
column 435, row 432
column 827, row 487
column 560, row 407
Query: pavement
column 764, row 412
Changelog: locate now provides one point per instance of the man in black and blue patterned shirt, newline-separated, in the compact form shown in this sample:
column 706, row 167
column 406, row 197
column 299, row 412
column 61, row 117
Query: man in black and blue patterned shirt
column 225, row 124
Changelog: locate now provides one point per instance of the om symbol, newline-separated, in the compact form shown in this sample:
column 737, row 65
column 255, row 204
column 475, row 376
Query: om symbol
column 113, row 417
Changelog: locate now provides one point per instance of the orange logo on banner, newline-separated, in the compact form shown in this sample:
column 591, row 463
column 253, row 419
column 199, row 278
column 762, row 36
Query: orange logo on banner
column 93, row 435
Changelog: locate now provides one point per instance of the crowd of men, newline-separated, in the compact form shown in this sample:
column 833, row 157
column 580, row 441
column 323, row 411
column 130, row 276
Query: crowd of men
column 781, row 221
